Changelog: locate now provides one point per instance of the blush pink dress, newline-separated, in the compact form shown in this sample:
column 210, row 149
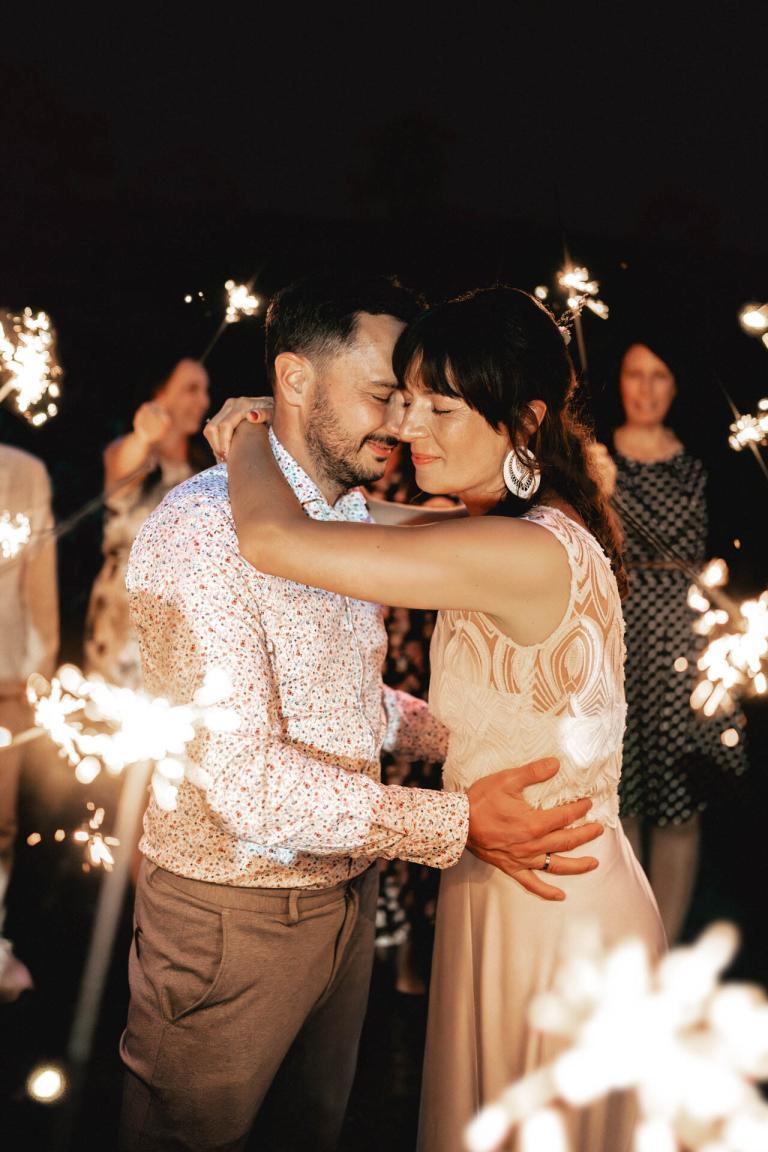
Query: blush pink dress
column 496, row 944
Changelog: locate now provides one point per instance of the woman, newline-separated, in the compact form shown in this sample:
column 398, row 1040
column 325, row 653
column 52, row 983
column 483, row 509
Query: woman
column 139, row 469
column 669, row 751
column 526, row 660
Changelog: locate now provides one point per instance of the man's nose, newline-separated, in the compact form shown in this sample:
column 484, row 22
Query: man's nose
column 395, row 412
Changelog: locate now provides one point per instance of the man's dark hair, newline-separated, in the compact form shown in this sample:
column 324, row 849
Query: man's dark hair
column 317, row 316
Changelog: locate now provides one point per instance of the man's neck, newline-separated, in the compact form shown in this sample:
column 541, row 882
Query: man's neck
column 295, row 444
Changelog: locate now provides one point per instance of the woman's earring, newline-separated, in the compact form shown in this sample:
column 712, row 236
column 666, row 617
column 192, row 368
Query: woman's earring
column 521, row 478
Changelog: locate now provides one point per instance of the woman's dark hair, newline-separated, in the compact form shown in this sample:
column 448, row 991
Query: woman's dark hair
column 497, row 349
column 318, row 315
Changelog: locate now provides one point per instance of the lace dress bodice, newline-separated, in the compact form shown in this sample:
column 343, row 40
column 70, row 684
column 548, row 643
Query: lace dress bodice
column 506, row 704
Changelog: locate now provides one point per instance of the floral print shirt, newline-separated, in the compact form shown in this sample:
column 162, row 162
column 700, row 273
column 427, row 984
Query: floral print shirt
column 293, row 797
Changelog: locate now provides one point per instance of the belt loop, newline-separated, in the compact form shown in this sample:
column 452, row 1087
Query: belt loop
column 293, row 905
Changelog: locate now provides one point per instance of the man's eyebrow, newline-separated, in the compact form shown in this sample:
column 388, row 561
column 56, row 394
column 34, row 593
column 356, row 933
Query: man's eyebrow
column 391, row 384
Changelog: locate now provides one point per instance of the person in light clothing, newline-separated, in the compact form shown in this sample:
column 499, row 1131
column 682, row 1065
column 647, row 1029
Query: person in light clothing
column 255, row 906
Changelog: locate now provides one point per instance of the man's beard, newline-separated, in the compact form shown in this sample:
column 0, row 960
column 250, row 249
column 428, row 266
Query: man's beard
column 335, row 454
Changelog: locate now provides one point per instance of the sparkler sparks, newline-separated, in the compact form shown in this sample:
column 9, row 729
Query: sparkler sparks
column 29, row 368
column 697, row 1047
column 14, row 534
column 754, row 319
column 95, row 724
column 748, row 429
column 735, row 660
column 582, row 291
column 240, row 302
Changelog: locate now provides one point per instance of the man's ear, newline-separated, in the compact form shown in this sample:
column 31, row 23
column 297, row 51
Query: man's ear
column 294, row 376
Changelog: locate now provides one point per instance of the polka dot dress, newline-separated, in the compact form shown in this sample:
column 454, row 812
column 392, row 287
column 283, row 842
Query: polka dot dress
column 674, row 759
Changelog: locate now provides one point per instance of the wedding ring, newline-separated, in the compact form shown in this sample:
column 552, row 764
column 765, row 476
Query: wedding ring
column 547, row 862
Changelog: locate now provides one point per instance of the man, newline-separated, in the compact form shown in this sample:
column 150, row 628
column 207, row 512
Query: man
column 29, row 626
column 255, row 907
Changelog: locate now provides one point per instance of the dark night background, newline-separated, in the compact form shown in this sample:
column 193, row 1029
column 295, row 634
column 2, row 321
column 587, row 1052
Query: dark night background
column 148, row 152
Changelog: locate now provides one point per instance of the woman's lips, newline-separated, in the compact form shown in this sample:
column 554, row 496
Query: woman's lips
column 418, row 459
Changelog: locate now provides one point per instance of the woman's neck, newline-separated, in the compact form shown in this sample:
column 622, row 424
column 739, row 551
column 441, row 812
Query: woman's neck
column 647, row 443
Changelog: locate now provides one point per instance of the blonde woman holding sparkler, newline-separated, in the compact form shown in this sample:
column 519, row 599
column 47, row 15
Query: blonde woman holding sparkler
column 139, row 469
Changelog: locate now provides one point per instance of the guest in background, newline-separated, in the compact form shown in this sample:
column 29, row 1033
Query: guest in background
column 29, row 626
column 139, row 469
column 672, row 755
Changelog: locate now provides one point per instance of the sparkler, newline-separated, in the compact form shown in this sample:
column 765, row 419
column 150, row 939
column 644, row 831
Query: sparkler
column 14, row 534
column 748, row 430
column 697, row 1047
column 736, row 659
column 240, row 303
column 754, row 321
column 29, row 368
column 95, row 723
column 582, row 291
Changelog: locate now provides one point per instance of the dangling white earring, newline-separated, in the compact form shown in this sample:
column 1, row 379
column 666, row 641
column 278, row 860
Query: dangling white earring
column 522, row 479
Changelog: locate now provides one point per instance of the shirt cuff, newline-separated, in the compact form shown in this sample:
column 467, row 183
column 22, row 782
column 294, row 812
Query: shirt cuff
column 434, row 825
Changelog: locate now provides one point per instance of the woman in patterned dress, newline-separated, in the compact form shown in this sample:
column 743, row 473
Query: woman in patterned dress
column 671, row 754
column 527, row 660
column 139, row 469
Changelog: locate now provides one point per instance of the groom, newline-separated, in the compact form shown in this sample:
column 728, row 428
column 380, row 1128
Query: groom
column 255, row 905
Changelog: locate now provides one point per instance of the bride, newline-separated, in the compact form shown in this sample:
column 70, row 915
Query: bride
column 526, row 659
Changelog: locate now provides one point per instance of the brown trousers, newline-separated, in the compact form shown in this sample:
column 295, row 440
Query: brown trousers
column 243, row 998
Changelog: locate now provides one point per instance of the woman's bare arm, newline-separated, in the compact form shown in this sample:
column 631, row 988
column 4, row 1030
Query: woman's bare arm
column 495, row 565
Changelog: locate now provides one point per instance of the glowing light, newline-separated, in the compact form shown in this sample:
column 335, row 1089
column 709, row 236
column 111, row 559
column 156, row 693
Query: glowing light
column 59, row 835
column 29, row 368
column 14, row 534
column 735, row 660
column 754, row 318
column 87, row 770
column 188, row 299
column 46, row 1084
column 681, row 664
column 582, row 291
column 748, row 429
column 715, row 573
column 6, row 737
column 698, row 1047
column 240, row 302
column 34, row 839
column 730, row 737
column 541, row 292
column 96, row 725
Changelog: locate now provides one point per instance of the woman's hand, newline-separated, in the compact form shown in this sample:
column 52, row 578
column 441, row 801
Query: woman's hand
column 152, row 423
column 219, row 430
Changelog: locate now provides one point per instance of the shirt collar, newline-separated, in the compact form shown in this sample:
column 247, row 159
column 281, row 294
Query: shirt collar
column 350, row 506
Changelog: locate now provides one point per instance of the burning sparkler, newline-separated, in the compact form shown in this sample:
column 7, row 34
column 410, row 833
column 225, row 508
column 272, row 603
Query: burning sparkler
column 95, row 724
column 240, row 302
column 697, row 1048
column 14, row 534
column 754, row 321
column 29, row 368
column 736, row 657
column 750, row 430
column 582, row 291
